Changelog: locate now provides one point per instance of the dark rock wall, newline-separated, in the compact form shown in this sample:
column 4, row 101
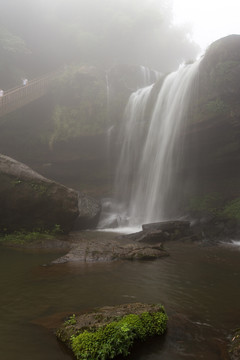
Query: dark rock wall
column 212, row 137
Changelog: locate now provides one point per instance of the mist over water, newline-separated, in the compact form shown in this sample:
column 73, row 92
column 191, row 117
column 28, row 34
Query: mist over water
column 152, row 146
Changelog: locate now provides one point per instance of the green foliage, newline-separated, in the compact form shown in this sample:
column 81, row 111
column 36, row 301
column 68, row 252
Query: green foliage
column 71, row 320
column 24, row 237
column 117, row 337
column 67, row 31
column 213, row 204
column 56, row 230
column 11, row 44
column 232, row 209
column 81, row 108
column 209, row 204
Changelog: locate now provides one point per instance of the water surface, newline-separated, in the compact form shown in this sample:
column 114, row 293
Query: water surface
column 197, row 284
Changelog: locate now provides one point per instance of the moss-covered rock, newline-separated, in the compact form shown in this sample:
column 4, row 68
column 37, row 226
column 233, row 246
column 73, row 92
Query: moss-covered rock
column 111, row 331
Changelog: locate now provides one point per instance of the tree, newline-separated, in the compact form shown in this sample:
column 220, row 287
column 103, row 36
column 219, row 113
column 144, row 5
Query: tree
column 102, row 33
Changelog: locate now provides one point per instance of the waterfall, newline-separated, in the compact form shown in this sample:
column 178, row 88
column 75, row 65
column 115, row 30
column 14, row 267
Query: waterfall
column 148, row 76
column 151, row 147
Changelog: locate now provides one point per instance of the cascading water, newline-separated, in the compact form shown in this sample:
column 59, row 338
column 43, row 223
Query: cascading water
column 148, row 76
column 151, row 147
column 112, row 212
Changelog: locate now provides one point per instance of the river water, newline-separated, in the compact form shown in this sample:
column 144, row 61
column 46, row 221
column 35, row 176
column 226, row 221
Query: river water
column 197, row 284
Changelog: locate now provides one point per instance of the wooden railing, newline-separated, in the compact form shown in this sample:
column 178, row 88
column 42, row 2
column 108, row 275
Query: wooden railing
column 16, row 98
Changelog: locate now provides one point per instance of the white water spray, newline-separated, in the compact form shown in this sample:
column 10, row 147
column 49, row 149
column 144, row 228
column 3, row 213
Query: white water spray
column 151, row 147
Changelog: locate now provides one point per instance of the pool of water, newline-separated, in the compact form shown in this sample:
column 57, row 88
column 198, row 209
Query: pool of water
column 197, row 284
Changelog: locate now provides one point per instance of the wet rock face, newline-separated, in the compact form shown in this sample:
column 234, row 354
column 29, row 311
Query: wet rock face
column 89, row 212
column 219, row 69
column 212, row 148
column 31, row 202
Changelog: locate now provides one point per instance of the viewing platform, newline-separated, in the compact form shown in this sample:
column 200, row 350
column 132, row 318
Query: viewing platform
column 20, row 96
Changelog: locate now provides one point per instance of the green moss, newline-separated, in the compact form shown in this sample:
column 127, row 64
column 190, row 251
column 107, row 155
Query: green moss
column 213, row 204
column 24, row 237
column 117, row 337
column 21, row 237
column 71, row 320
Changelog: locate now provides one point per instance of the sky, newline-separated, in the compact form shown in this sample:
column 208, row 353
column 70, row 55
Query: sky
column 209, row 19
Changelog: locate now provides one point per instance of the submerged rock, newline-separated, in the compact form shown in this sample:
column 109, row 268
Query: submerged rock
column 112, row 330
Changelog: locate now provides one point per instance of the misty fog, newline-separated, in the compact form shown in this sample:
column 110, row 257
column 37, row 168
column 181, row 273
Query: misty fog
column 39, row 36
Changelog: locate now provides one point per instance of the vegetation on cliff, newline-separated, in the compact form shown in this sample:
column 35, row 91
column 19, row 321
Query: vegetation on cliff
column 22, row 238
column 80, row 104
column 213, row 204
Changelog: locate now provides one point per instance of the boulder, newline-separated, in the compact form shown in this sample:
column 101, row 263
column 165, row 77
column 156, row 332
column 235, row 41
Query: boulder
column 89, row 212
column 31, row 202
column 153, row 233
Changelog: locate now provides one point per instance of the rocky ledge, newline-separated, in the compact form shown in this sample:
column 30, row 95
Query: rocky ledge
column 163, row 231
column 89, row 247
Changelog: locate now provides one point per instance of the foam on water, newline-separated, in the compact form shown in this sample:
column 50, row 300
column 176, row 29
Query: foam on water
column 122, row 230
